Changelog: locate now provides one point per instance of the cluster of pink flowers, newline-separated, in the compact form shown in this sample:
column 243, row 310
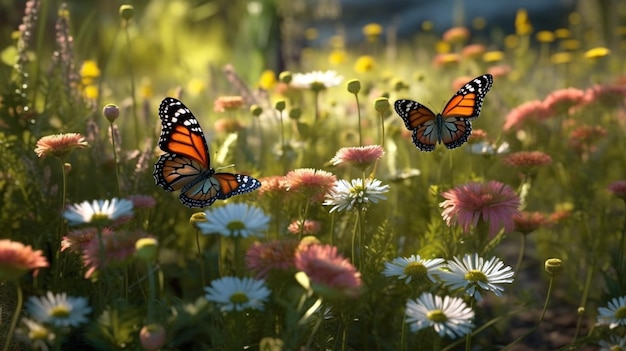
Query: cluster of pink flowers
column 565, row 101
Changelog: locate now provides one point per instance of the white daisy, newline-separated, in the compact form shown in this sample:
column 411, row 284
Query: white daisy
column 474, row 274
column 98, row 211
column 37, row 334
column 317, row 80
column 614, row 314
column 238, row 294
column 58, row 309
column 413, row 268
column 235, row 220
column 488, row 148
column 346, row 195
column 614, row 343
column 449, row 316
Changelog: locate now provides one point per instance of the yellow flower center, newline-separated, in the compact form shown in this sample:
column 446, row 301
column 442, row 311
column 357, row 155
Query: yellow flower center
column 38, row 334
column 239, row 297
column 437, row 316
column 60, row 312
column 236, row 226
column 476, row 276
column 620, row 313
column 416, row 269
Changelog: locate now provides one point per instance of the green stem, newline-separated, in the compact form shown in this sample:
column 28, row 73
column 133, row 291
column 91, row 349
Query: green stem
column 131, row 75
column 283, row 147
column 41, row 37
column 201, row 258
column 16, row 314
column 304, row 216
column 403, row 334
column 520, row 257
column 358, row 110
column 468, row 337
column 117, row 175
column 151, row 292
column 354, row 234
column 583, row 302
column 57, row 244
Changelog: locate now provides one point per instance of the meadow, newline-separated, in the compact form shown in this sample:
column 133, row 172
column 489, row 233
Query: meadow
column 164, row 186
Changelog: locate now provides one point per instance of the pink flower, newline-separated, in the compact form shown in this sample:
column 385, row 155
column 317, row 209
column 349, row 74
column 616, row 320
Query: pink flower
column 273, row 186
column 16, row 259
column 618, row 188
column 310, row 183
column 456, row 35
column 605, row 95
column 77, row 240
column 527, row 159
column 310, row 227
column 584, row 139
column 142, row 201
column 152, row 337
column 473, row 51
column 227, row 125
column 562, row 100
column 117, row 248
column 329, row 272
column 275, row 255
column 527, row 222
column 224, row 103
column 494, row 202
column 360, row 156
column 59, row 145
column 528, row 111
column 499, row 71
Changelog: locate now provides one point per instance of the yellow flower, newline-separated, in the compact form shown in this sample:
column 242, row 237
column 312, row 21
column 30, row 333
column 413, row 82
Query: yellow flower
column 89, row 71
column 597, row 52
column 196, row 86
column 372, row 31
column 90, row 92
column 522, row 23
column 427, row 26
column 442, row 47
column 570, row 44
column 447, row 59
column 267, row 80
column 493, row 56
column 511, row 41
column 337, row 57
column 562, row 33
column 145, row 88
column 364, row 64
column 561, row 57
column 545, row 36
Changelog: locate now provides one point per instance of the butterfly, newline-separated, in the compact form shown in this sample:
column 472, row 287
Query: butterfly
column 451, row 127
column 186, row 165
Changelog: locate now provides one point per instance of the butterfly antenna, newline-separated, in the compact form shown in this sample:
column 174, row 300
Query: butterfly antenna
column 232, row 165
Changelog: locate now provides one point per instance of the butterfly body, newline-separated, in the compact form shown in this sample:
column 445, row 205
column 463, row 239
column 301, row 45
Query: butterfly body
column 186, row 164
column 452, row 127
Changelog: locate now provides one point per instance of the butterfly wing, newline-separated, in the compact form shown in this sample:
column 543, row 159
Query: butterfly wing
column 186, row 165
column 215, row 186
column 422, row 121
column 453, row 126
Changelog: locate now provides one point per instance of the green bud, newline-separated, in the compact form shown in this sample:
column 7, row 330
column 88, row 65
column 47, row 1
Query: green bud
column 198, row 217
column 382, row 104
column 256, row 110
column 354, row 86
column 127, row 11
column 285, row 77
column 553, row 266
column 146, row 249
column 295, row 113
column 280, row 105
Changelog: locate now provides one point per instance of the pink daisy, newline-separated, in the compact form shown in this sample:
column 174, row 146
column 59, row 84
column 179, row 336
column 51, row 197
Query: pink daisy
column 224, row 103
column 311, row 183
column 527, row 159
column 311, row 227
column 16, row 259
column 118, row 248
column 618, row 188
column 473, row 51
column 275, row 255
column 328, row 271
column 59, row 145
column 456, row 35
column 528, row 111
column 77, row 240
column 605, row 95
column 273, row 186
column 494, row 202
column 527, row 222
column 560, row 101
column 360, row 156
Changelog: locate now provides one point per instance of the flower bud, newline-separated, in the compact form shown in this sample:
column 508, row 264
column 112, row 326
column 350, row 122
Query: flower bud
column 146, row 249
column 280, row 105
column 152, row 337
column 198, row 217
column 111, row 112
column 354, row 86
column 295, row 113
column 256, row 110
column 553, row 266
column 127, row 11
column 285, row 77
column 381, row 104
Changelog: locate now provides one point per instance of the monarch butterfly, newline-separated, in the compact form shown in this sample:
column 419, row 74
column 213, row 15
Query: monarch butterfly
column 451, row 127
column 186, row 165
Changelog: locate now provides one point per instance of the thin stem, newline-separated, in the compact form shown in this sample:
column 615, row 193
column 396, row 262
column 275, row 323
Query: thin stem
column 283, row 146
column 200, row 257
column 132, row 80
column 304, row 216
column 583, row 302
column 403, row 334
column 522, row 251
column 16, row 314
column 57, row 244
column 358, row 110
column 468, row 337
column 151, row 292
column 354, row 234
column 117, row 175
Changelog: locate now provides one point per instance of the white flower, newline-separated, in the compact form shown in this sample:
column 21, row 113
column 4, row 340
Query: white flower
column 37, row 334
column 614, row 314
column 614, row 343
column 98, row 210
column 449, row 316
column 238, row 294
column 345, row 195
column 317, row 80
column 413, row 268
column 487, row 148
column 58, row 309
column 473, row 274
column 235, row 220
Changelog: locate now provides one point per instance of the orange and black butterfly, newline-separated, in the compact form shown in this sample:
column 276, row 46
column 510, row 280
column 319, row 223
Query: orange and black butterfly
column 186, row 165
column 451, row 127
